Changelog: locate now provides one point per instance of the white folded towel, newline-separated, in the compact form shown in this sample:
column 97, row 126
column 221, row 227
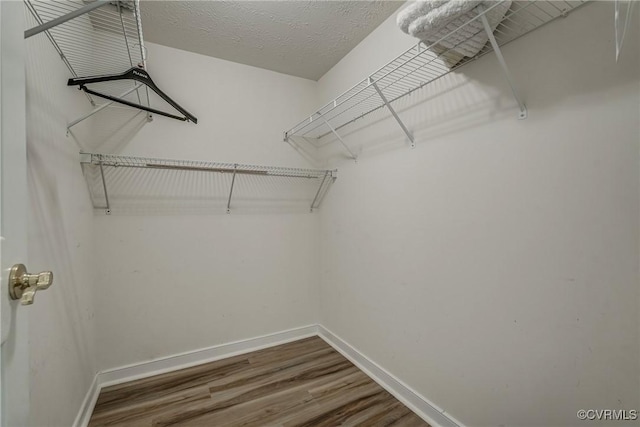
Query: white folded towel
column 430, row 20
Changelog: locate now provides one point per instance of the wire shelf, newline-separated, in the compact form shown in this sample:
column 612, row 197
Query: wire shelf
column 136, row 184
column 105, row 40
column 420, row 65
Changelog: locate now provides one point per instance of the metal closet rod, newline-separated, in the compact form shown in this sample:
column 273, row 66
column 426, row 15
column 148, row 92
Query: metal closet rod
column 209, row 169
column 111, row 160
column 64, row 18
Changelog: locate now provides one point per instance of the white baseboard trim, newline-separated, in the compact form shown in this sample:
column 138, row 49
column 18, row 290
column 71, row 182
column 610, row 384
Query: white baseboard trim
column 413, row 400
column 196, row 357
column 89, row 402
column 405, row 394
column 184, row 360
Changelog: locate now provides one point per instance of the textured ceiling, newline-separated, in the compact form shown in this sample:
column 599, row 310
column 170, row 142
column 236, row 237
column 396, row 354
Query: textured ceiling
column 301, row 38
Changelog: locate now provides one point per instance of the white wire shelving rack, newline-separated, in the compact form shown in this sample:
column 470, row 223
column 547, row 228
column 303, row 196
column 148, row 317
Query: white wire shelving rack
column 419, row 66
column 133, row 183
column 95, row 38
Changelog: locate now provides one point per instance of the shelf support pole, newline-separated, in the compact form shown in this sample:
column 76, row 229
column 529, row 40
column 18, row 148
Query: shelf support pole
column 353, row 156
column 64, row 18
column 494, row 44
column 233, row 181
column 104, row 187
column 393, row 112
column 100, row 108
column 324, row 178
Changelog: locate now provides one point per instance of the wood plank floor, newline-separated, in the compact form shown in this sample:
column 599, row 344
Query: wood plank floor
column 303, row 383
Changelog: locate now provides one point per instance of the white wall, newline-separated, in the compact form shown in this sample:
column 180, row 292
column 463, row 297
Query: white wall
column 174, row 283
column 494, row 268
column 60, row 238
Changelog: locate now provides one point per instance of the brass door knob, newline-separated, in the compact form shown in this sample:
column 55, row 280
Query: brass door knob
column 23, row 286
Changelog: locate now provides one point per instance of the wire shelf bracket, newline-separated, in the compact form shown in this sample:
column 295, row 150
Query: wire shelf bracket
column 503, row 64
column 344, row 144
column 104, row 186
column 99, row 108
column 328, row 179
column 393, row 112
column 424, row 63
column 619, row 26
column 233, row 181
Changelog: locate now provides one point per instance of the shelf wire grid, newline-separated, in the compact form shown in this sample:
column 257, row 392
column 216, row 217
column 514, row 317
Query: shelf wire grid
column 106, row 40
column 420, row 65
column 134, row 184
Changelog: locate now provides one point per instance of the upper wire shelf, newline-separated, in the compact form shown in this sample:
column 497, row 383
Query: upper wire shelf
column 94, row 38
column 419, row 66
column 135, row 184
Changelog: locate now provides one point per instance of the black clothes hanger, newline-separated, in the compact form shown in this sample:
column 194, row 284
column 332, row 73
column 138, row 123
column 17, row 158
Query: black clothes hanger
column 140, row 75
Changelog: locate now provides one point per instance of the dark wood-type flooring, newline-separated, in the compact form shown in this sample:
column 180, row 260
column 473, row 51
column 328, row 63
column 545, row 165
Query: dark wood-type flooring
column 303, row 383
